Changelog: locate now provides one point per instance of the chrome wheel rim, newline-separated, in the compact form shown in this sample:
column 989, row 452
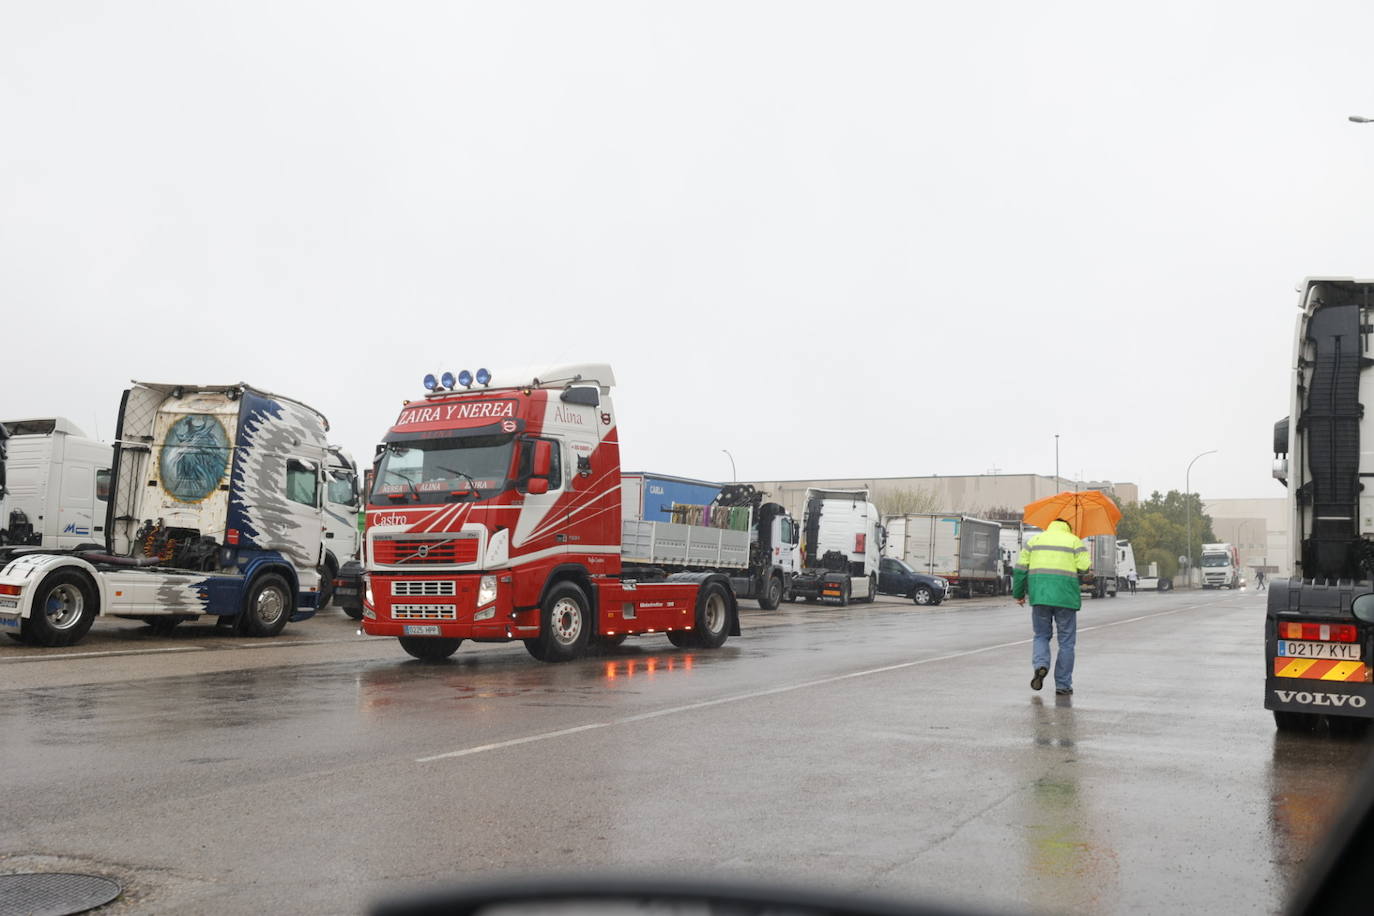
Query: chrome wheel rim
column 566, row 621
column 270, row 605
column 64, row 606
column 922, row 596
column 713, row 616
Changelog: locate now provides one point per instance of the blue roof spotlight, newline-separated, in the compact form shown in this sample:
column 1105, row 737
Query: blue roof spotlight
column 446, row 380
column 431, row 382
column 483, row 377
column 465, row 378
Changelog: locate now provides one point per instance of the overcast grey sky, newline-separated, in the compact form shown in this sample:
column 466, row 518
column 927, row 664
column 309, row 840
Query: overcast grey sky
column 837, row 239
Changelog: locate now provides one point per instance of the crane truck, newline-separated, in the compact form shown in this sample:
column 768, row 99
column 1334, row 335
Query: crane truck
column 495, row 515
column 1319, row 622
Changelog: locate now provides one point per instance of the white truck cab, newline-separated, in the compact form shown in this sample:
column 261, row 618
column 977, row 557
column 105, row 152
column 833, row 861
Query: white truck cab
column 57, row 485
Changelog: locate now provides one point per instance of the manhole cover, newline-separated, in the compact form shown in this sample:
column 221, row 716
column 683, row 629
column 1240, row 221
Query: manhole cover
column 54, row 894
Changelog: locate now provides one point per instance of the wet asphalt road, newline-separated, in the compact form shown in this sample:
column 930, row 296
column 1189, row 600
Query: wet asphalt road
column 883, row 747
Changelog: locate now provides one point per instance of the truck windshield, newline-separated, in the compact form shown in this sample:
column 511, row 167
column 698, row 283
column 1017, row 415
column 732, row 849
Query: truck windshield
column 1215, row 559
column 442, row 470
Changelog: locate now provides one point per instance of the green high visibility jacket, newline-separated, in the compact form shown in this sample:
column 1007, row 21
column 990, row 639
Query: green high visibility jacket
column 1047, row 571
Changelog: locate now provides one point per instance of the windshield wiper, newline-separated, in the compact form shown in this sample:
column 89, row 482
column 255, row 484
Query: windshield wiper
column 410, row 483
column 463, row 474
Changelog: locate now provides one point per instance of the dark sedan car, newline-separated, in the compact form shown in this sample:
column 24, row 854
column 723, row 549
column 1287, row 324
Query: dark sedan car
column 895, row 577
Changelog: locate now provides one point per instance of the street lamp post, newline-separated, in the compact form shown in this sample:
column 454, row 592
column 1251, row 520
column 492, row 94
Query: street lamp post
column 1188, row 512
column 734, row 478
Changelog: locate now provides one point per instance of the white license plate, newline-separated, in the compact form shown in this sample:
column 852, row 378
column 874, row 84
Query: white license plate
column 1346, row 651
column 9, row 602
column 415, row 629
column 12, row 622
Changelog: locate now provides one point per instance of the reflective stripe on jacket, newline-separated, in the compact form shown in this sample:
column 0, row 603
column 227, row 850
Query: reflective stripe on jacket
column 1047, row 570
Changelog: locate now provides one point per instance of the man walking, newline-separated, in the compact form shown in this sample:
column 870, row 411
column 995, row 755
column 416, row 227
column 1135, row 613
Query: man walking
column 1132, row 579
column 1047, row 572
column 1259, row 580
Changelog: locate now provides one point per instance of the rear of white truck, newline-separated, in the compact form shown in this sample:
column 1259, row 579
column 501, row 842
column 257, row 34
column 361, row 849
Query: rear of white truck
column 1319, row 624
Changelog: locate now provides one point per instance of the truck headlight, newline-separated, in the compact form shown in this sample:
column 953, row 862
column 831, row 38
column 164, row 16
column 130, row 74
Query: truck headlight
column 485, row 615
column 367, row 592
column 486, row 592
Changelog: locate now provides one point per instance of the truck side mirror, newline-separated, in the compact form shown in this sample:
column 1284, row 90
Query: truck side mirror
column 538, row 486
column 543, row 460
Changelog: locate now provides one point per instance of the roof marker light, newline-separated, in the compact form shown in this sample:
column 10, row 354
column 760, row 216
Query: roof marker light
column 431, row 382
column 483, row 377
column 465, row 378
column 446, row 379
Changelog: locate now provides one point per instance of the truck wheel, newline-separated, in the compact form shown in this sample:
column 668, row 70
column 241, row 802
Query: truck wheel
column 771, row 595
column 684, row 639
column 63, row 610
column 713, row 616
column 872, row 589
column 922, row 594
column 1295, row 721
column 429, row 648
column 564, row 624
column 844, row 593
column 267, row 607
column 327, row 573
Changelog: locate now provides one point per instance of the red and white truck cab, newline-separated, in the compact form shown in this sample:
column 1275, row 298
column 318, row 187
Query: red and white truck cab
column 495, row 515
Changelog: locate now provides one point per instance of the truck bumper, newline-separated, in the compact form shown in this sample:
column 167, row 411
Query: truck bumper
column 1332, row 698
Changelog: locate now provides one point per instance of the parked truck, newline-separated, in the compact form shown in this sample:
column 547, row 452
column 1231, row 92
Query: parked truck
column 1102, row 579
column 496, row 515
column 1319, row 623
column 963, row 550
column 735, row 532
column 213, row 510
column 1220, row 566
column 841, row 547
column 58, row 485
column 340, row 508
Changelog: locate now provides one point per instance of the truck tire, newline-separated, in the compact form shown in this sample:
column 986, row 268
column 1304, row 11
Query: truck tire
column 564, row 624
column 267, row 606
column 1295, row 721
column 844, row 593
column 872, row 589
column 922, row 594
column 63, row 610
column 429, row 648
column 713, row 616
column 770, row 596
column 327, row 573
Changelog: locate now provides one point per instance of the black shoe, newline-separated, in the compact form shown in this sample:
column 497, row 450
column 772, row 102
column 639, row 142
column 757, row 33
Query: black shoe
column 1039, row 680
column 1063, row 691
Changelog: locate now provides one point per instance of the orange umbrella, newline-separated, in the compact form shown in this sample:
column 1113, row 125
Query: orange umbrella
column 1088, row 511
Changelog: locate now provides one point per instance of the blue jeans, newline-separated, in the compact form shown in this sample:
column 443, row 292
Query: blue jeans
column 1064, row 621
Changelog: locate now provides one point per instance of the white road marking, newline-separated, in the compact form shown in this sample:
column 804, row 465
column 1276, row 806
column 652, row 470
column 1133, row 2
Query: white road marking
column 771, row 691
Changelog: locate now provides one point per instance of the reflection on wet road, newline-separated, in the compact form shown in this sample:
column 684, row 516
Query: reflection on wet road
column 882, row 747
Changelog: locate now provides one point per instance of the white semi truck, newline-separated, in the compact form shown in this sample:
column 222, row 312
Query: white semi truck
column 58, row 485
column 841, row 547
column 1220, row 566
column 214, row 510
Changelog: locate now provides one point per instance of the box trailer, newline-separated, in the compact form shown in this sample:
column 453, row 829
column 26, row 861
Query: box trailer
column 964, row 550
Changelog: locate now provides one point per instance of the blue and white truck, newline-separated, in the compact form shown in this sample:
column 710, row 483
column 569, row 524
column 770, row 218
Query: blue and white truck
column 215, row 510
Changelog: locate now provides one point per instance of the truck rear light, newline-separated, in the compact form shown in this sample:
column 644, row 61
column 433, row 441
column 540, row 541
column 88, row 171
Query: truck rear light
column 10, row 589
column 1323, row 632
column 231, row 536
